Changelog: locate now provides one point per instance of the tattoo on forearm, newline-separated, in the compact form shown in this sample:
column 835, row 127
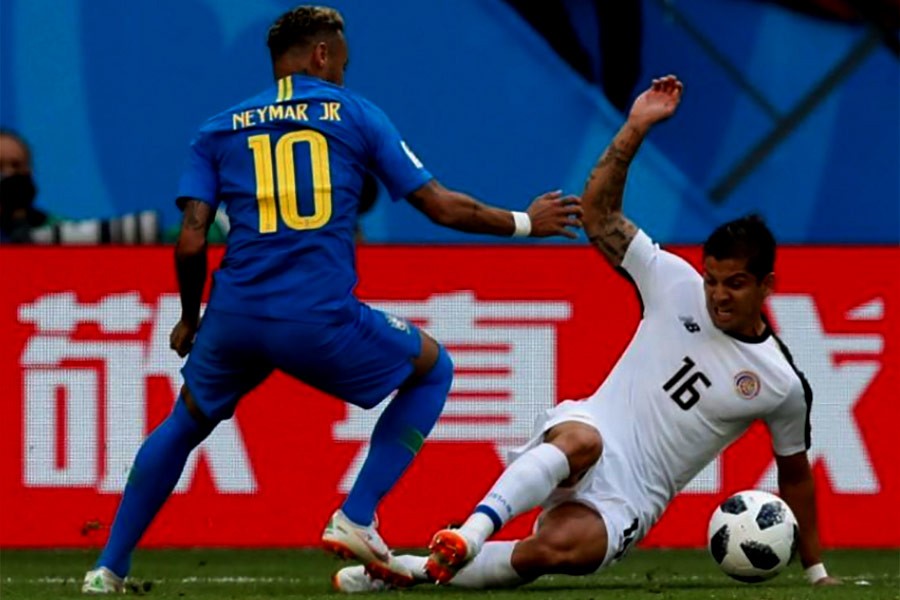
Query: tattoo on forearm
column 606, row 183
column 613, row 158
column 614, row 238
column 196, row 215
column 190, row 259
column 607, row 229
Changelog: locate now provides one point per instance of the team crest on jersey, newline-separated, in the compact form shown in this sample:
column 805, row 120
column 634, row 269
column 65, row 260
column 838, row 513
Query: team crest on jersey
column 689, row 323
column 397, row 322
column 747, row 384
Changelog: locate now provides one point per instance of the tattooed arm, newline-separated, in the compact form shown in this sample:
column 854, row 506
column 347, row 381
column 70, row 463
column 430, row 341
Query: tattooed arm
column 606, row 227
column 190, row 265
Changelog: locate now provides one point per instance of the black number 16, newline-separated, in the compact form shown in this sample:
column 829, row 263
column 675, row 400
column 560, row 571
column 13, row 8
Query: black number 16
column 686, row 395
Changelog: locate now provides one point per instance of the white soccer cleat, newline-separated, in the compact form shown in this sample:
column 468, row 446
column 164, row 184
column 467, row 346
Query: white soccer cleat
column 355, row 579
column 450, row 552
column 348, row 540
column 102, row 581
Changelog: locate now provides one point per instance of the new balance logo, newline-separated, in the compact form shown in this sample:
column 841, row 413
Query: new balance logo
column 689, row 324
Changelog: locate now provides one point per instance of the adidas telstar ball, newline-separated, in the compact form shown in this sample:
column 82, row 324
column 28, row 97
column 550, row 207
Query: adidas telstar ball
column 753, row 535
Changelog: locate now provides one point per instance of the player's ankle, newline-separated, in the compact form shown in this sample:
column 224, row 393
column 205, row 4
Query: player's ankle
column 478, row 528
column 357, row 519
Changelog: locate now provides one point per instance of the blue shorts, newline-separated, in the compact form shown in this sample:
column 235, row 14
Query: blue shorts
column 360, row 361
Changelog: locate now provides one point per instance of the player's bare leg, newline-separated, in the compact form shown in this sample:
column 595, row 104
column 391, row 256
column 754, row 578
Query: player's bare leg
column 569, row 450
column 571, row 540
column 427, row 358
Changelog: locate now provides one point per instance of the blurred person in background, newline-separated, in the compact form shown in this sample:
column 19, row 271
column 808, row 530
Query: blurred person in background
column 22, row 223
column 18, row 216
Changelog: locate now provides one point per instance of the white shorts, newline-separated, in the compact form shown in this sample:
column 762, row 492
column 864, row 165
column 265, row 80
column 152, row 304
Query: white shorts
column 604, row 488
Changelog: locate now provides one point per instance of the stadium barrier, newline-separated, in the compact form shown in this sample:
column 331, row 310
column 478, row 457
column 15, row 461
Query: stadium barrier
column 87, row 372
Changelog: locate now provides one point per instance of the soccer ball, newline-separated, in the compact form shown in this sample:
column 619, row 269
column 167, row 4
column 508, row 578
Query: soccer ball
column 753, row 535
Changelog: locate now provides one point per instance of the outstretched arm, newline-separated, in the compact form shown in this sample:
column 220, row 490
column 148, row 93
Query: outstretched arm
column 604, row 223
column 795, row 483
column 190, row 265
column 549, row 214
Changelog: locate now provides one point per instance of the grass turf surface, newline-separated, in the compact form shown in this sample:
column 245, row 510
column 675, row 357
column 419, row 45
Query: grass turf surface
column 298, row 574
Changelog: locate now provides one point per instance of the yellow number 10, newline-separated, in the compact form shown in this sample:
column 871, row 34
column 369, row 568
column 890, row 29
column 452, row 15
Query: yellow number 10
column 287, row 181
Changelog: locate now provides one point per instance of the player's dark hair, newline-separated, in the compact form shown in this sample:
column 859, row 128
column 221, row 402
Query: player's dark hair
column 748, row 238
column 301, row 26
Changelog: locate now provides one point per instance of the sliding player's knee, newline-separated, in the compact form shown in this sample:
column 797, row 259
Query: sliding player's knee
column 581, row 443
column 588, row 448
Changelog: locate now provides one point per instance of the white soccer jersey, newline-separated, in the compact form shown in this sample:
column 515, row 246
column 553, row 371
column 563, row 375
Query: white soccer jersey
column 684, row 390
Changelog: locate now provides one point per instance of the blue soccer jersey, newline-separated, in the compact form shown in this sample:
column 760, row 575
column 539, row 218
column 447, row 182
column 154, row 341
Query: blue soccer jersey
column 289, row 165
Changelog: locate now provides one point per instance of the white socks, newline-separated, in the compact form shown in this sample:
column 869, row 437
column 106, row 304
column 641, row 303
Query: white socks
column 490, row 569
column 524, row 484
column 415, row 564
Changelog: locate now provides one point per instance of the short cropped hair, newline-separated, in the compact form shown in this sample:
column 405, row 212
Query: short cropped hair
column 748, row 238
column 300, row 26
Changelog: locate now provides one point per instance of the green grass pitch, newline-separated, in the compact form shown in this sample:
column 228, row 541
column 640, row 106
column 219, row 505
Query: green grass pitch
column 305, row 574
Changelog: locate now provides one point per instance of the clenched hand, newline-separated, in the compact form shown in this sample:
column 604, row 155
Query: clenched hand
column 181, row 340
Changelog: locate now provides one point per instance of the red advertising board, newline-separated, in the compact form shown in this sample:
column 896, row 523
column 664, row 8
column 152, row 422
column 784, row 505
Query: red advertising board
column 87, row 373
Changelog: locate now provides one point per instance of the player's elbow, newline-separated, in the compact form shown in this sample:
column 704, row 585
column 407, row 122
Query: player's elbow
column 598, row 223
column 444, row 207
column 190, row 243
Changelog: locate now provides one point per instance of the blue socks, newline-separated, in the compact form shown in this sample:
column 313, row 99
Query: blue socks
column 153, row 476
column 397, row 437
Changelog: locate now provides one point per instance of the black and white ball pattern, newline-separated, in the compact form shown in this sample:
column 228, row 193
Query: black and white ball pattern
column 753, row 535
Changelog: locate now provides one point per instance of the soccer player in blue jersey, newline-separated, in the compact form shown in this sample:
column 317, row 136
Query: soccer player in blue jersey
column 289, row 165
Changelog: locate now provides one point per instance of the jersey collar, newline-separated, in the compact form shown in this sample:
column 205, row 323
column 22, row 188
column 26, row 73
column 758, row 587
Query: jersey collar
column 753, row 339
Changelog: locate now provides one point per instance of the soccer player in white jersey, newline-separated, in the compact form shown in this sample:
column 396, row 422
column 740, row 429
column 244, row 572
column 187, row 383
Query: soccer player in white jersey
column 703, row 365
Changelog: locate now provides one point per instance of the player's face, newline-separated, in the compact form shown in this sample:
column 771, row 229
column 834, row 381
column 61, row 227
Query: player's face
column 13, row 157
column 734, row 297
